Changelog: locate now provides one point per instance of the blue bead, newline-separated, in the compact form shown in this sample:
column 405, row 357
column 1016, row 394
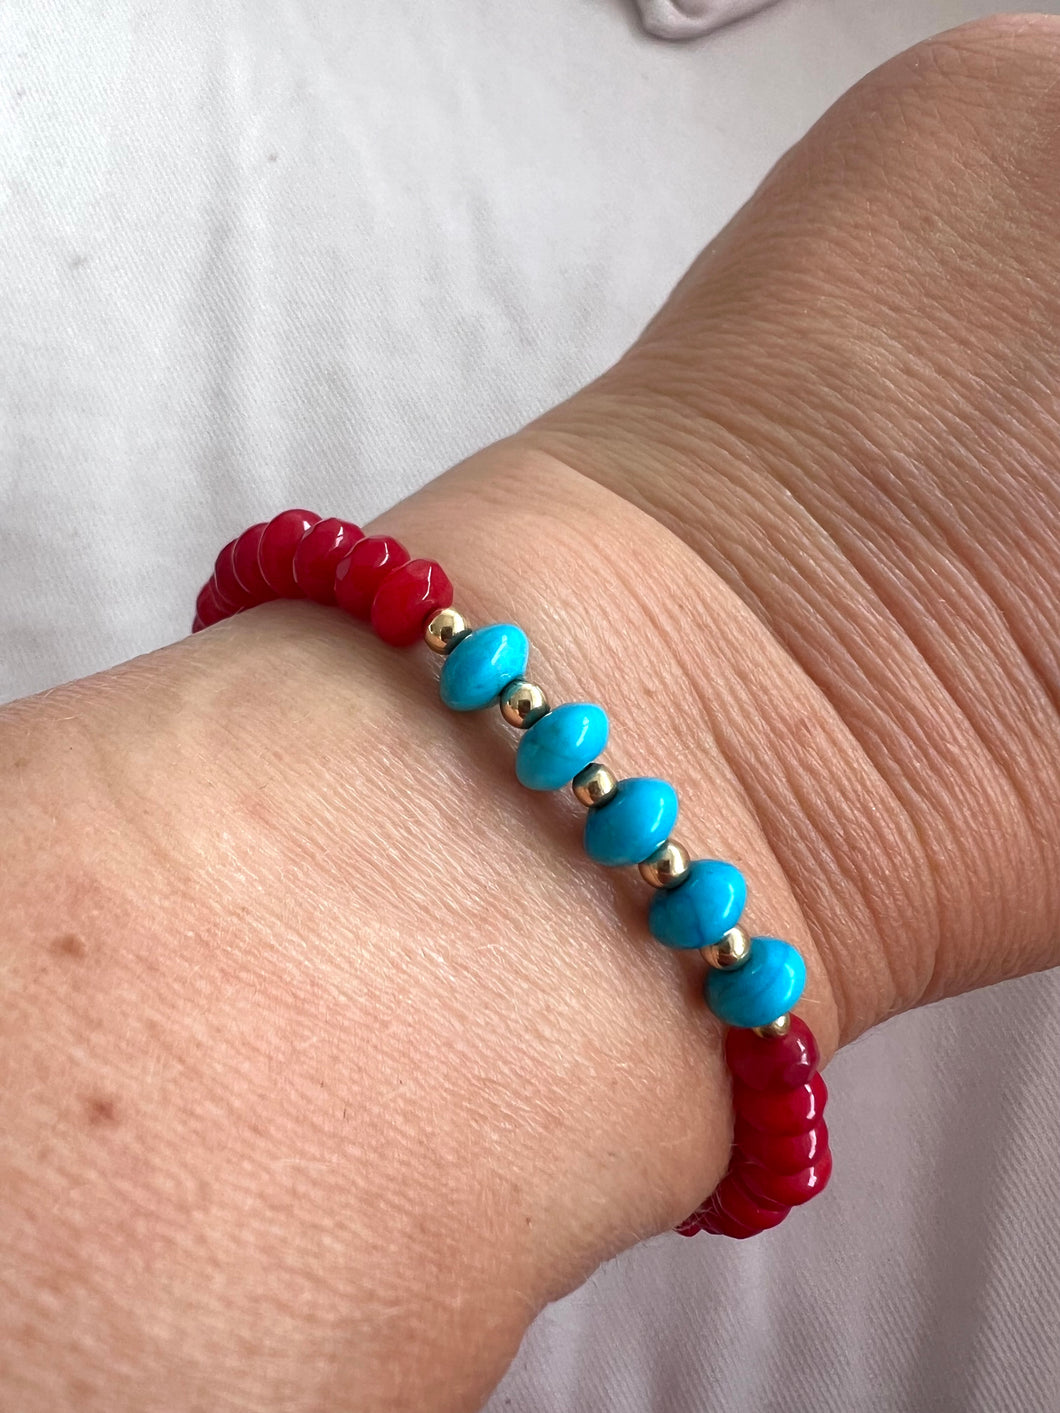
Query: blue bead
column 633, row 823
column 563, row 742
column 700, row 909
column 481, row 665
column 767, row 985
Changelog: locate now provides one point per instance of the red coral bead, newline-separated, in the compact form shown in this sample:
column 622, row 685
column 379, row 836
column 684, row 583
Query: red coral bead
column 791, row 1189
column 783, row 1152
column 715, row 1222
column 208, row 607
column 359, row 573
column 318, row 554
column 226, row 586
column 409, row 596
column 245, row 566
column 782, row 1062
column 279, row 540
column 197, row 625
column 781, row 1110
column 732, row 1199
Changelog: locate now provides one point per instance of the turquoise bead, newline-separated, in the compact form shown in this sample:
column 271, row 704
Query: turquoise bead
column 700, row 909
column 766, row 986
column 633, row 823
column 481, row 665
column 563, row 742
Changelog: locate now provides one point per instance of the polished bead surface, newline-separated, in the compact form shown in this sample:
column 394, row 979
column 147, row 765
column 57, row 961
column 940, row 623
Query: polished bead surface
column 733, row 1199
column 359, row 573
column 783, row 1152
column 594, row 785
column 227, row 587
column 732, row 949
column 716, row 1222
column 764, row 987
column 560, row 745
column 789, row 1189
column 632, row 823
column 708, row 903
column 276, row 549
column 445, row 630
column 781, row 1063
column 208, row 607
column 245, row 565
column 481, row 666
column 318, row 554
column 407, row 598
column 522, row 703
column 667, row 866
column 781, row 1110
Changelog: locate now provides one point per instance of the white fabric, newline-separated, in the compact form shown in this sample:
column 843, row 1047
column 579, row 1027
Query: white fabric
column 256, row 253
column 690, row 19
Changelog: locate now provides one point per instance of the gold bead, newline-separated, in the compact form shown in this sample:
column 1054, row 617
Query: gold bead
column 731, row 950
column 667, row 867
column 594, row 785
column 445, row 630
column 775, row 1029
column 523, row 703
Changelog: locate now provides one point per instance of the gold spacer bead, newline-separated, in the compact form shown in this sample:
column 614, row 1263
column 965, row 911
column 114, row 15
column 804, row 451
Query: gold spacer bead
column 730, row 950
column 667, row 867
column 523, row 703
column 775, row 1029
column 445, row 630
column 594, row 785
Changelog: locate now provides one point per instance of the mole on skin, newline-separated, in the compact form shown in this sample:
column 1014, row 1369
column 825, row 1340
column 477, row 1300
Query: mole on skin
column 69, row 945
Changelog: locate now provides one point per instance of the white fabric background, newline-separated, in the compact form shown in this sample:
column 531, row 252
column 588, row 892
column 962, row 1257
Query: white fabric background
column 256, row 253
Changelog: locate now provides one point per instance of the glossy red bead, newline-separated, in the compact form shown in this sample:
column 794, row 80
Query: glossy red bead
column 276, row 549
column 783, row 1152
column 226, row 586
column 318, row 554
column 781, row 1110
column 781, row 1062
column 208, row 607
column 715, row 1222
column 731, row 1198
column 407, row 598
column 246, row 569
column 359, row 573
column 790, row 1189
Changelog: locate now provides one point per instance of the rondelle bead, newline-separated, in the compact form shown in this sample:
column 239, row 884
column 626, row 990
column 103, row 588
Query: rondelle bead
column 407, row 598
column 790, row 1189
column 733, row 1198
column 667, row 866
column 715, row 1222
column 245, row 565
column 764, row 987
column 359, row 573
column 708, row 903
column 783, row 1063
column 481, row 665
column 594, row 785
column 522, row 703
column 197, row 625
column 318, row 554
column 445, row 630
column 561, row 744
column 732, row 949
column 633, row 823
column 783, row 1152
column 208, row 607
column 276, row 548
column 781, row 1110
column 227, row 587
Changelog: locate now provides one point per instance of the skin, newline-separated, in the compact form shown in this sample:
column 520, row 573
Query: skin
column 326, row 1058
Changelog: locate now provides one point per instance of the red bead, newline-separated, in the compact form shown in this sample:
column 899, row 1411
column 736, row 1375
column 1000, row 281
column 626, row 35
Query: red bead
column 691, row 1225
column 319, row 552
column 197, row 624
column 783, row 1152
column 731, row 1198
column 245, row 566
column 718, row 1223
column 359, row 573
column 781, row 1110
column 208, row 607
column 791, row 1189
column 782, row 1062
column 405, row 600
column 226, row 586
column 279, row 540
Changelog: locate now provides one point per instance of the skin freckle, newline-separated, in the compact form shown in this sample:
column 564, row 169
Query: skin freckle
column 69, row 946
column 100, row 1109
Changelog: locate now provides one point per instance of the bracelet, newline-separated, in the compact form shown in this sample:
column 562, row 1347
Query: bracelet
column 780, row 1155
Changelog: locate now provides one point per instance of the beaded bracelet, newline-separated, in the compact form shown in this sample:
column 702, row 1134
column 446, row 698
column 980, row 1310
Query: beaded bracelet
column 780, row 1155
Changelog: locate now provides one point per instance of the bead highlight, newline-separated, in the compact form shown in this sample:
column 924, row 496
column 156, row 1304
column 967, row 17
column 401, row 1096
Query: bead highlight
column 560, row 745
